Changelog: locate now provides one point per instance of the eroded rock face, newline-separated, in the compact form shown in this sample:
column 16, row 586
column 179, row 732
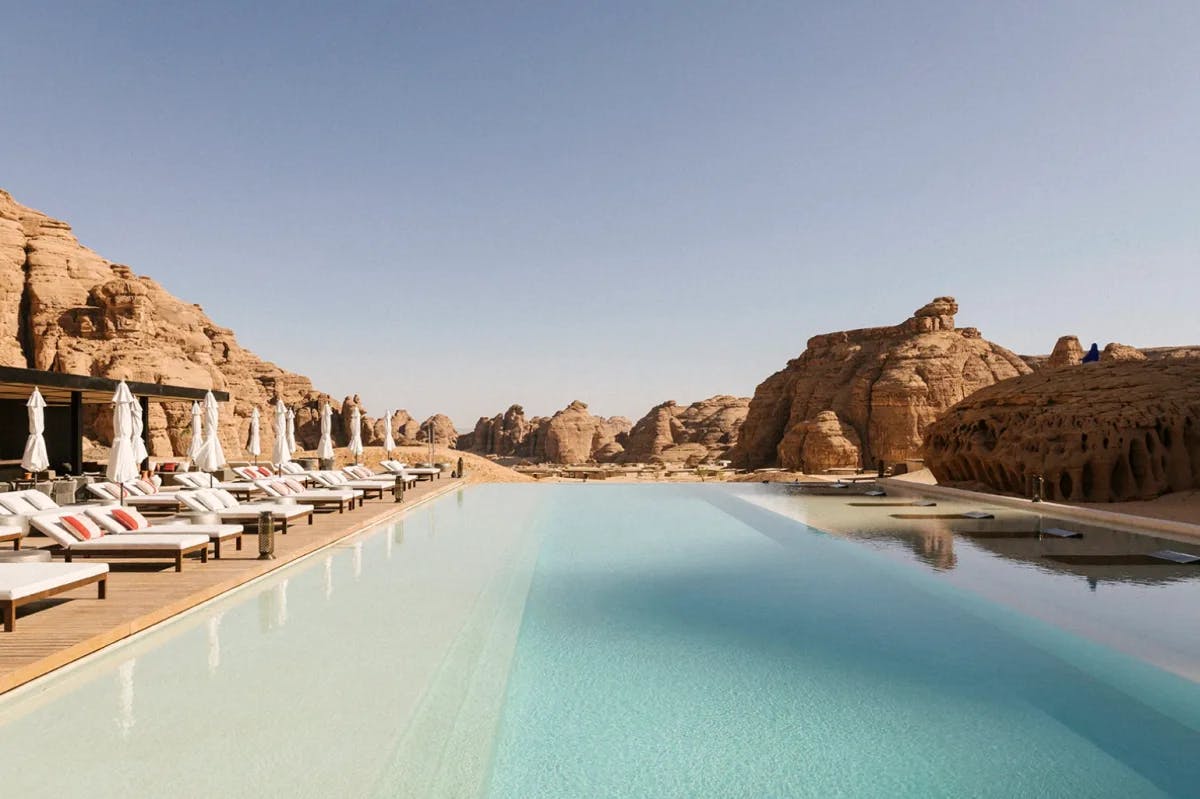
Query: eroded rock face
column 887, row 384
column 1121, row 352
column 671, row 433
column 1108, row 431
column 444, row 434
column 1067, row 352
column 820, row 444
column 64, row 308
column 573, row 435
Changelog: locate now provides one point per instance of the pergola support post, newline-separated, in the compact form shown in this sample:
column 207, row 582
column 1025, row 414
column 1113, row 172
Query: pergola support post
column 77, row 432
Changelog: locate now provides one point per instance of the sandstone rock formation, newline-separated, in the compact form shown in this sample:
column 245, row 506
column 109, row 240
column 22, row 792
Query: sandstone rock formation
column 822, row 443
column 1121, row 352
column 699, row 432
column 1108, row 431
column 886, row 384
column 444, row 434
column 65, row 308
column 573, row 435
column 506, row 434
column 1067, row 352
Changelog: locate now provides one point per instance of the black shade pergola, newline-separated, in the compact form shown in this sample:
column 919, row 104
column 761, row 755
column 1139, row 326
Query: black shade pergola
column 67, row 394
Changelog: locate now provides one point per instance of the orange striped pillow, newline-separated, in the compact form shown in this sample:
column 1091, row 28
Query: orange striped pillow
column 81, row 527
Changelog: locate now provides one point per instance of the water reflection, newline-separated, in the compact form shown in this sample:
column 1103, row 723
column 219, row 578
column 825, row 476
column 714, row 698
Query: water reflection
column 1013, row 535
column 281, row 602
column 328, row 580
column 358, row 559
column 213, row 630
column 125, row 717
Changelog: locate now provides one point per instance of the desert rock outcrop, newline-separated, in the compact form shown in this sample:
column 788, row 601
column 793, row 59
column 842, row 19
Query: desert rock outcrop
column 822, row 443
column 444, row 434
column 573, row 435
column 1102, row 432
column 704, row 430
column 64, row 308
column 887, row 384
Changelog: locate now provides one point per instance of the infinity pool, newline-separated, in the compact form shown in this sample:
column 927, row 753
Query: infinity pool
column 640, row 641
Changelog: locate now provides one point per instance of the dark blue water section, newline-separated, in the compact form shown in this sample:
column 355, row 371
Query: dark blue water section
column 680, row 642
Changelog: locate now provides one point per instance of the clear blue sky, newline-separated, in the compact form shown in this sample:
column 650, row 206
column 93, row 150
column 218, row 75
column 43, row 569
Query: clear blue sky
column 479, row 204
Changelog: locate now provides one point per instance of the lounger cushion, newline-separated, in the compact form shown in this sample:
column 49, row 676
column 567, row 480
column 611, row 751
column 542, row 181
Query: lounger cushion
column 227, row 497
column 209, row 500
column 19, row 580
column 103, row 517
column 81, row 526
column 146, row 486
column 129, row 518
column 295, row 485
column 17, row 504
column 148, row 541
column 40, row 500
column 196, row 529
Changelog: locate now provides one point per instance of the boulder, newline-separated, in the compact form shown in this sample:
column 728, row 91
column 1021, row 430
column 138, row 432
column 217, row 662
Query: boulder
column 819, row 444
column 444, row 434
column 1067, row 352
column 887, row 384
column 1115, row 430
column 1121, row 352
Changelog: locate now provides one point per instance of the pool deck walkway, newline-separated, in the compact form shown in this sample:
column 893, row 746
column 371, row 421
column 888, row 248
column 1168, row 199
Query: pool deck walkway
column 53, row 632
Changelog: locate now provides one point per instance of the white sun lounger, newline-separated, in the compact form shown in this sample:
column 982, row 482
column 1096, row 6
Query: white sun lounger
column 134, row 496
column 218, row 534
column 427, row 472
column 201, row 480
column 18, row 507
column 311, row 496
column 21, row 583
column 227, row 507
column 132, row 545
column 389, row 478
column 339, row 480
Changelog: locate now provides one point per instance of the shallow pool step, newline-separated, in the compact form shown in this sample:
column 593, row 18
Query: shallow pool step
column 1165, row 557
column 1053, row 531
column 971, row 514
column 921, row 503
column 1059, row 532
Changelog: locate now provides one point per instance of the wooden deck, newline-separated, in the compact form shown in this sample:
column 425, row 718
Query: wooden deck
column 51, row 633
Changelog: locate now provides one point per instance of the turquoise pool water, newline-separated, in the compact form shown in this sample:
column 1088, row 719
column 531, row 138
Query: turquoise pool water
column 623, row 641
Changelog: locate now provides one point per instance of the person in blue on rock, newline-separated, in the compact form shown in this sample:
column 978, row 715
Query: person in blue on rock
column 1092, row 355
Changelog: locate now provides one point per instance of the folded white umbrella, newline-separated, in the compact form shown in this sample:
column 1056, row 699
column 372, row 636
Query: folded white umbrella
column 281, row 453
column 291, row 429
column 388, row 443
column 137, row 425
column 356, row 447
column 325, row 445
column 35, row 458
column 197, row 437
column 254, row 440
column 121, row 466
column 212, row 456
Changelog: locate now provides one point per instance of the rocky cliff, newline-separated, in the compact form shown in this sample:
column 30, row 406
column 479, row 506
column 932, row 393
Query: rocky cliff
column 1101, row 432
column 858, row 396
column 64, row 308
column 673, row 433
column 573, row 435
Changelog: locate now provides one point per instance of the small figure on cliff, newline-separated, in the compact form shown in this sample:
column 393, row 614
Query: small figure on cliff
column 1093, row 355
